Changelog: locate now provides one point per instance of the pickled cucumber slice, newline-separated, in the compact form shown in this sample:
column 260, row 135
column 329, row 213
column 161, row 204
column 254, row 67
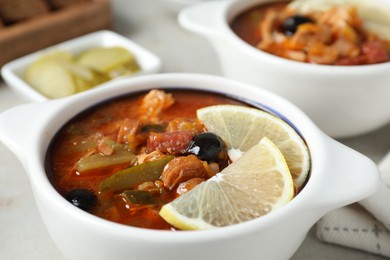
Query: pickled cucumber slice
column 85, row 78
column 50, row 78
column 57, row 55
column 135, row 175
column 113, row 61
column 56, row 75
column 59, row 74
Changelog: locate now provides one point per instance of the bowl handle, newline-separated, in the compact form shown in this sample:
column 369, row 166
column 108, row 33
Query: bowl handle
column 19, row 127
column 350, row 177
column 202, row 18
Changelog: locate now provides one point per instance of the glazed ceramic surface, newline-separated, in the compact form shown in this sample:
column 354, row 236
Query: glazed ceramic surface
column 338, row 176
column 342, row 101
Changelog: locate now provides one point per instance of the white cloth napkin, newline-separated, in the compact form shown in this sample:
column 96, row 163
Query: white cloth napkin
column 364, row 225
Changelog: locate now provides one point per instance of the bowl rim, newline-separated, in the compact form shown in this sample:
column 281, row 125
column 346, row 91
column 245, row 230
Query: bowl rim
column 231, row 9
column 118, row 88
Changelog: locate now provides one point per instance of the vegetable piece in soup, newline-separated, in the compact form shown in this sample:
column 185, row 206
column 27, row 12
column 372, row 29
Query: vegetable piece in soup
column 124, row 159
column 333, row 36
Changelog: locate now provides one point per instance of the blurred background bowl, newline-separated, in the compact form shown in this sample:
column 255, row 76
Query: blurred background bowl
column 343, row 101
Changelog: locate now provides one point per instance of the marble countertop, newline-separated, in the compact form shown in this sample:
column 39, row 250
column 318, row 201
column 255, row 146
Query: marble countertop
column 151, row 23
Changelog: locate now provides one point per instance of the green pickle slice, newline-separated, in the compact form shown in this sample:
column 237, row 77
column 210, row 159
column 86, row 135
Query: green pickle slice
column 114, row 61
column 135, row 175
column 139, row 197
column 51, row 79
column 59, row 74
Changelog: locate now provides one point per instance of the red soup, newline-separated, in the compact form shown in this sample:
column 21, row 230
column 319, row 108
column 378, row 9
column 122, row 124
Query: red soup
column 145, row 130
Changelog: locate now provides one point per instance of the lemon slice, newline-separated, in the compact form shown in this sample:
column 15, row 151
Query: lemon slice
column 257, row 183
column 113, row 61
column 243, row 127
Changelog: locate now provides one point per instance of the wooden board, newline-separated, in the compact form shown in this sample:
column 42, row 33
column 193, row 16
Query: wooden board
column 54, row 27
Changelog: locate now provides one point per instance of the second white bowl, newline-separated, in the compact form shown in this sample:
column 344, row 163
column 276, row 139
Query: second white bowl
column 343, row 101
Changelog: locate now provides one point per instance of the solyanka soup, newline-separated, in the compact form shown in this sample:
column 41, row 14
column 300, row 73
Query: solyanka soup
column 333, row 35
column 150, row 127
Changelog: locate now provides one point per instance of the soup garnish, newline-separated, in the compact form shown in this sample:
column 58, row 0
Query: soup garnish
column 243, row 128
column 257, row 183
column 125, row 159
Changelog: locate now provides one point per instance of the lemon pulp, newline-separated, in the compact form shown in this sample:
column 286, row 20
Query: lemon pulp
column 255, row 184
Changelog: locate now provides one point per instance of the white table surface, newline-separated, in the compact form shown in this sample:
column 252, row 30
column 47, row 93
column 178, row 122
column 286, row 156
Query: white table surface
column 151, row 23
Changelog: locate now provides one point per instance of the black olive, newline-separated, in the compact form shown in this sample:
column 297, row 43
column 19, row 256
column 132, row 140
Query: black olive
column 290, row 25
column 208, row 147
column 82, row 198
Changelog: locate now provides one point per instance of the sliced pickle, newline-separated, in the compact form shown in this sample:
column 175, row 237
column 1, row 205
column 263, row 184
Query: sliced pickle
column 135, row 175
column 51, row 79
column 82, row 85
column 59, row 74
column 100, row 161
column 57, row 55
column 85, row 77
column 139, row 197
column 114, row 61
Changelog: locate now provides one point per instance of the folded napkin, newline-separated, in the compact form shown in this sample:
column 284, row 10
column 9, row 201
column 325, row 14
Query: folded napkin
column 364, row 225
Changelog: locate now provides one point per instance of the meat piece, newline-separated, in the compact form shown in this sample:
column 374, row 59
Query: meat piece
column 127, row 130
column 148, row 157
column 322, row 54
column 358, row 60
column 153, row 104
column 156, row 187
column 212, row 169
column 340, row 17
column 128, row 133
column 308, row 34
column 346, row 48
column 174, row 143
column 372, row 52
column 105, row 146
column 375, row 52
column 188, row 185
column 185, row 124
column 182, row 169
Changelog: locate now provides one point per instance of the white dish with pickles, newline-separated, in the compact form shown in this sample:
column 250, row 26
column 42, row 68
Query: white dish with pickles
column 78, row 65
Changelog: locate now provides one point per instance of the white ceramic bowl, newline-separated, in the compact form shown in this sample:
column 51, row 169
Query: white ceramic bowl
column 343, row 101
column 13, row 72
column 339, row 176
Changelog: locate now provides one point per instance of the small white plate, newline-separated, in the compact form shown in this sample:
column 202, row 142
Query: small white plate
column 13, row 71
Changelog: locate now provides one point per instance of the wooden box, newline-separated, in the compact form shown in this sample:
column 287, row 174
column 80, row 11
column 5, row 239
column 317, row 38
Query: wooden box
column 30, row 35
